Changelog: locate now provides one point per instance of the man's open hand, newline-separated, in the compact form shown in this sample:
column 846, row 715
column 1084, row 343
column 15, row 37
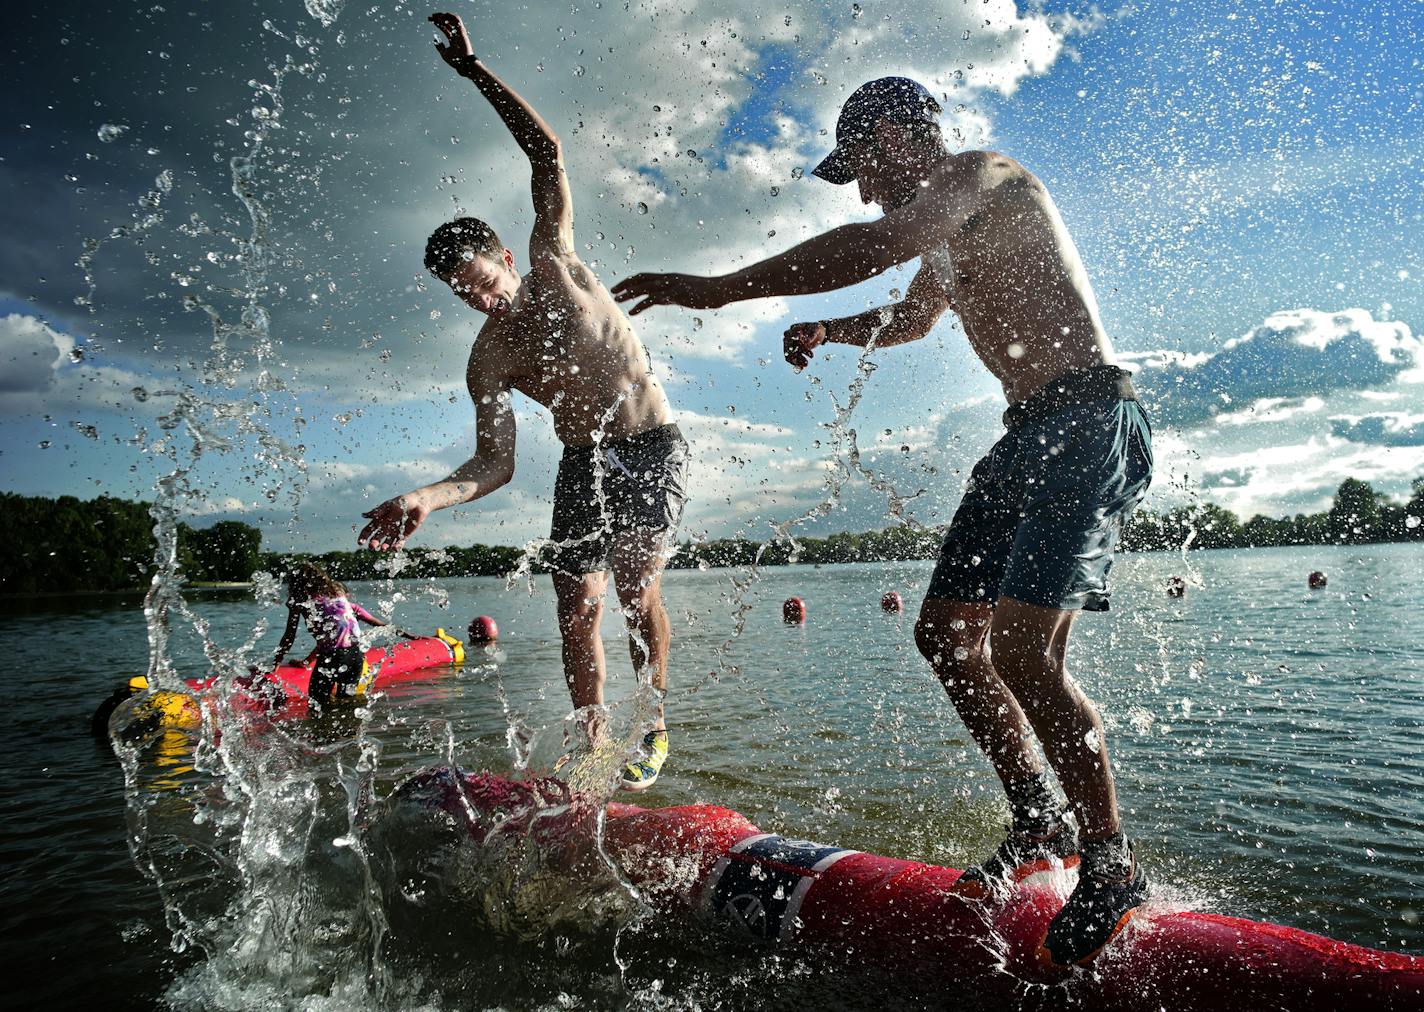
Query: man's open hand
column 800, row 343
column 392, row 522
column 667, row 290
column 458, row 53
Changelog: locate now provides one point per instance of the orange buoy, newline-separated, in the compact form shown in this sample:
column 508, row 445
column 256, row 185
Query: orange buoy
column 1176, row 586
column 793, row 611
column 1317, row 580
column 891, row 602
column 483, row 630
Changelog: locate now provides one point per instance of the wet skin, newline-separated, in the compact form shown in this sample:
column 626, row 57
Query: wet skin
column 994, row 249
column 557, row 336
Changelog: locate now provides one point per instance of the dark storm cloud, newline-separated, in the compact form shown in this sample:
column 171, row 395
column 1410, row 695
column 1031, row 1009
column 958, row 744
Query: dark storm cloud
column 1384, row 429
column 185, row 83
column 1294, row 353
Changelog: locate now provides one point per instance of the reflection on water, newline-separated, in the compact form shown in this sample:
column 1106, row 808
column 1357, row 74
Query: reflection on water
column 1265, row 738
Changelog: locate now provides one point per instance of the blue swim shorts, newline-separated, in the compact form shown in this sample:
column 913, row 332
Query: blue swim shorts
column 644, row 488
column 1043, row 511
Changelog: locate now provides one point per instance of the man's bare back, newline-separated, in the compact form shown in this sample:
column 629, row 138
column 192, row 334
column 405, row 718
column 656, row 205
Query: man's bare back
column 1013, row 276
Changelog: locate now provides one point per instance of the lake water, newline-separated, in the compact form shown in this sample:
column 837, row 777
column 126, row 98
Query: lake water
column 1266, row 739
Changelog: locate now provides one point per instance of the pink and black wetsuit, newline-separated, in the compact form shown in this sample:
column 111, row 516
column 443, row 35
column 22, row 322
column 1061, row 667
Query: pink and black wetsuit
column 340, row 661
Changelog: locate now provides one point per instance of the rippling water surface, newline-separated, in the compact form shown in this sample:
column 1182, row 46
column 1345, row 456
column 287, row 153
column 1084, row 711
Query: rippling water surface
column 1266, row 738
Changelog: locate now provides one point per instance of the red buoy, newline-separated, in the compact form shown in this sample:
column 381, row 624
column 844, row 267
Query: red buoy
column 1176, row 586
column 1317, row 580
column 891, row 602
column 483, row 630
column 793, row 611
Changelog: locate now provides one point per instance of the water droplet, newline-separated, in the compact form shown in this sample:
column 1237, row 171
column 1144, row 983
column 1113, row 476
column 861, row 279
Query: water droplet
column 87, row 431
column 139, row 394
column 697, row 323
column 44, row 444
column 797, row 172
column 1015, row 350
column 775, row 191
column 642, row 207
column 110, row 132
column 76, row 354
column 855, row 11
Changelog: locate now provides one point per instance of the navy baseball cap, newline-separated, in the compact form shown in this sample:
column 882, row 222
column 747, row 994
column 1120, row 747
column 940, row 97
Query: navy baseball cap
column 898, row 99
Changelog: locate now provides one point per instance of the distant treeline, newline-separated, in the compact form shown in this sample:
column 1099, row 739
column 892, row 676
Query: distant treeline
column 67, row 544
column 894, row 544
column 414, row 563
column 1358, row 516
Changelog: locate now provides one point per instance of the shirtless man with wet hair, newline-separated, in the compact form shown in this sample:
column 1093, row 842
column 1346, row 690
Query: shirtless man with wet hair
column 1032, row 540
column 557, row 336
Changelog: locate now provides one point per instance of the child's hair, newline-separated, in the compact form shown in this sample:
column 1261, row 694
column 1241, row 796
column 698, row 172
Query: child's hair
column 457, row 241
column 306, row 580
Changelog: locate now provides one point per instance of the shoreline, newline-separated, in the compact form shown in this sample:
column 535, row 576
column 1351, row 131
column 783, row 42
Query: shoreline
column 234, row 586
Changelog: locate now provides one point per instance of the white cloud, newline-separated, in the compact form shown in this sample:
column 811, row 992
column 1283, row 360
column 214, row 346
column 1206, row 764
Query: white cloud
column 1271, row 409
column 30, row 354
column 1278, row 480
column 44, row 370
column 1294, row 353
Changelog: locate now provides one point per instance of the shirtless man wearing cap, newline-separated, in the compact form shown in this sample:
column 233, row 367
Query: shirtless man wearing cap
column 557, row 337
column 1032, row 540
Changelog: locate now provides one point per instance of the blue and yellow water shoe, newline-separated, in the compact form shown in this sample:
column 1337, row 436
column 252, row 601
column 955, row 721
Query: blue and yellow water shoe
column 643, row 773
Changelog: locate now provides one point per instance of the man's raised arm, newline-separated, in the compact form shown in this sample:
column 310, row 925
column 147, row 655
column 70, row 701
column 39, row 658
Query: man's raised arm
column 553, row 232
column 839, row 258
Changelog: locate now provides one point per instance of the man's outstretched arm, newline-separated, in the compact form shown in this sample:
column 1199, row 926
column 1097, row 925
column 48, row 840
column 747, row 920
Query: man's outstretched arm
column 553, row 232
column 908, row 320
column 395, row 520
column 839, row 258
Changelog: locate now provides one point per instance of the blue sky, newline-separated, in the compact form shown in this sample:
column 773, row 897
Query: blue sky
column 1228, row 173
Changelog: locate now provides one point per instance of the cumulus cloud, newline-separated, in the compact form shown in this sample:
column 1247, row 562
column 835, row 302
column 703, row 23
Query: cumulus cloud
column 31, row 352
column 1303, row 476
column 1298, row 353
column 44, row 369
column 1392, row 428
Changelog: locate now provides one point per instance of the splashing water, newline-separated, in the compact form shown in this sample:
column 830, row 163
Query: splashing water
column 250, row 834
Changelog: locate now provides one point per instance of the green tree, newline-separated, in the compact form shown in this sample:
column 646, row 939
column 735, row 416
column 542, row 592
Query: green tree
column 1356, row 515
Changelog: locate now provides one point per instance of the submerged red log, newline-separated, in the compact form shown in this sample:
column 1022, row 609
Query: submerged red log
column 864, row 911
